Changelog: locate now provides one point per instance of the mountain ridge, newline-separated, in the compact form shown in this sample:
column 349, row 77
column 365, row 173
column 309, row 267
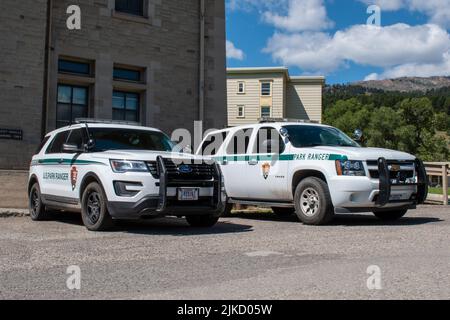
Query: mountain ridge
column 405, row 84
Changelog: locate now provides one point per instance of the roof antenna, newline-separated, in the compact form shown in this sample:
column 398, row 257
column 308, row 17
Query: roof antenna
column 90, row 143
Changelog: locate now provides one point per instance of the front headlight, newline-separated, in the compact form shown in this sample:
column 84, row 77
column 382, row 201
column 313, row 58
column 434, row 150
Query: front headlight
column 123, row 166
column 350, row 168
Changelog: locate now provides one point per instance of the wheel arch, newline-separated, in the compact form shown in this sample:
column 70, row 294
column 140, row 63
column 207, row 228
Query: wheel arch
column 33, row 179
column 303, row 174
column 88, row 179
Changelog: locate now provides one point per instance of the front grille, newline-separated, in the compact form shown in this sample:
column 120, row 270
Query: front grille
column 153, row 168
column 406, row 171
column 200, row 171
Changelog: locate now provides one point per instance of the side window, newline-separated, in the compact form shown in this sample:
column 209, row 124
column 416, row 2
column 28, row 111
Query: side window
column 212, row 143
column 42, row 144
column 78, row 137
column 58, row 141
column 239, row 142
column 269, row 140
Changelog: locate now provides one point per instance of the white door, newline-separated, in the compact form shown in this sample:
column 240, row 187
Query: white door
column 233, row 161
column 267, row 167
column 53, row 168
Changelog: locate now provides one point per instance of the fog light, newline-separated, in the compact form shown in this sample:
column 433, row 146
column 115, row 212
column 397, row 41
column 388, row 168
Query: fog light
column 127, row 189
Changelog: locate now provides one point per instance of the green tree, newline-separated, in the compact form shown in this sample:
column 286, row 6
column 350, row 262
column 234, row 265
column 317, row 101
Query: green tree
column 382, row 130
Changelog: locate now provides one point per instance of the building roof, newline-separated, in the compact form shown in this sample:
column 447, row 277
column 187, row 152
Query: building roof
column 283, row 70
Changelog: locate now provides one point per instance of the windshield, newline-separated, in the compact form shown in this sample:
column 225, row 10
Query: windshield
column 302, row 136
column 129, row 139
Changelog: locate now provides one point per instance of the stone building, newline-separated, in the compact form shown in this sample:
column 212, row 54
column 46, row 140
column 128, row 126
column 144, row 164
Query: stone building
column 157, row 62
column 254, row 93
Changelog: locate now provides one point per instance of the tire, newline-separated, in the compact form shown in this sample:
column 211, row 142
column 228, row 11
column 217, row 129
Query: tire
column 228, row 209
column 202, row 221
column 313, row 204
column 390, row 215
column 38, row 212
column 94, row 210
column 283, row 212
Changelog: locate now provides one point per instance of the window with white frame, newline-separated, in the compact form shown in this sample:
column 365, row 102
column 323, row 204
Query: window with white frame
column 266, row 112
column 266, row 88
column 241, row 111
column 241, row 87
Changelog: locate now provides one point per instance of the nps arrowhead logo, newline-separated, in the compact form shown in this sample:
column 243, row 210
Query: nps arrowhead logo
column 74, row 177
column 266, row 170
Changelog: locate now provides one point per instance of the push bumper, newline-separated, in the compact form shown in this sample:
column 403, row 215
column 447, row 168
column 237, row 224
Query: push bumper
column 384, row 196
column 364, row 194
column 167, row 204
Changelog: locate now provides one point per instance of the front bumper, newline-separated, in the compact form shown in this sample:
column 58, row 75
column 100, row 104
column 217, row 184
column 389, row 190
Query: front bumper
column 360, row 194
column 167, row 204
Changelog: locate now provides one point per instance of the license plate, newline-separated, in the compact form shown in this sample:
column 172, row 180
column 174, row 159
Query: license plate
column 188, row 194
column 396, row 197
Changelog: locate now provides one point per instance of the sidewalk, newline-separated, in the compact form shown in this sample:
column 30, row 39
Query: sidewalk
column 13, row 189
column 436, row 198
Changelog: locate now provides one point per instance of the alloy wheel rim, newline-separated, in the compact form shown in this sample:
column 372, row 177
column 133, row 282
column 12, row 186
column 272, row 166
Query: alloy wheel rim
column 310, row 202
column 34, row 202
column 94, row 207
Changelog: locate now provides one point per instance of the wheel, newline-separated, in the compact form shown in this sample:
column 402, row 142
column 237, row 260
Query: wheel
column 313, row 204
column 202, row 221
column 390, row 215
column 283, row 212
column 94, row 211
column 38, row 211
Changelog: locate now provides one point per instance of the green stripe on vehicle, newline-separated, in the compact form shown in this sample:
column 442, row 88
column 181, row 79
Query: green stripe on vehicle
column 284, row 157
column 69, row 162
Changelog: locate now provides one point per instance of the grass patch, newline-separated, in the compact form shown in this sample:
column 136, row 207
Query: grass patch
column 437, row 191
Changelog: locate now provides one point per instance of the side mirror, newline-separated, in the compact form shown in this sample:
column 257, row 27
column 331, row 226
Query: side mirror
column 357, row 135
column 72, row 148
column 284, row 132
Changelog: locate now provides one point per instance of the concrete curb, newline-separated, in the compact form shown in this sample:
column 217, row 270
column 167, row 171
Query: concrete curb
column 7, row 213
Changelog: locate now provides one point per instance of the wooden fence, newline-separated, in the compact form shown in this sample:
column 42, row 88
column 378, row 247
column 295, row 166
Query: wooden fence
column 442, row 171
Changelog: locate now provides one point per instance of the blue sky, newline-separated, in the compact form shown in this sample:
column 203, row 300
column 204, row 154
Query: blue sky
column 332, row 38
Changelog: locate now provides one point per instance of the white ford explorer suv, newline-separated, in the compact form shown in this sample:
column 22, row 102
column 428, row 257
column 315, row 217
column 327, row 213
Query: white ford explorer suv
column 115, row 171
column 314, row 170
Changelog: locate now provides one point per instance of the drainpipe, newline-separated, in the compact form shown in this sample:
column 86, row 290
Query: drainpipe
column 201, row 94
column 45, row 96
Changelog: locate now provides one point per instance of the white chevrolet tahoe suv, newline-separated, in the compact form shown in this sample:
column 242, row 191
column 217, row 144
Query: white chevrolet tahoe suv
column 116, row 171
column 314, row 170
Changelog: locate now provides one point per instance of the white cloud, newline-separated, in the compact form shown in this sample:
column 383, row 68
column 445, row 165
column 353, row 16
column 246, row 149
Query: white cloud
column 301, row 15
column 415, row 70
column 233, row 52
column 399, row 46
column 290, row 15
column 438, row 11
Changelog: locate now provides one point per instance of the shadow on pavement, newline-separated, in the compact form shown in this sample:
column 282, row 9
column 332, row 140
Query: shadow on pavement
column 350, row 220
column 160, row 226
column 357, row 220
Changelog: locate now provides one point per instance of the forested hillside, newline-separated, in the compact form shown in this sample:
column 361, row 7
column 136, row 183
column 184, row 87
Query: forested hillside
column 416, row 122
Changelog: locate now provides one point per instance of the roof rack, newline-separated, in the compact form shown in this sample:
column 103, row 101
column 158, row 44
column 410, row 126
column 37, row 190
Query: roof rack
column 272, row 120
column 105, row 121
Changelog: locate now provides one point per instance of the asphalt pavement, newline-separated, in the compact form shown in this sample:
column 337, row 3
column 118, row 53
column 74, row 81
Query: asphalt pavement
column 248, row 256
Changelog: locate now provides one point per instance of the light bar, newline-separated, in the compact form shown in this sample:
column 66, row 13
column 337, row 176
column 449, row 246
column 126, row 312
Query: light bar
column 105, row 121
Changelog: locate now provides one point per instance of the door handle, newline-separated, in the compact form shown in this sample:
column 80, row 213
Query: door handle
column 224, row 162
column 253, row 162
column 61, row 161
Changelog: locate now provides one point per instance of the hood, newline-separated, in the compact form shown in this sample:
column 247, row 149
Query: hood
column 364, row 154
column 143, row 155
